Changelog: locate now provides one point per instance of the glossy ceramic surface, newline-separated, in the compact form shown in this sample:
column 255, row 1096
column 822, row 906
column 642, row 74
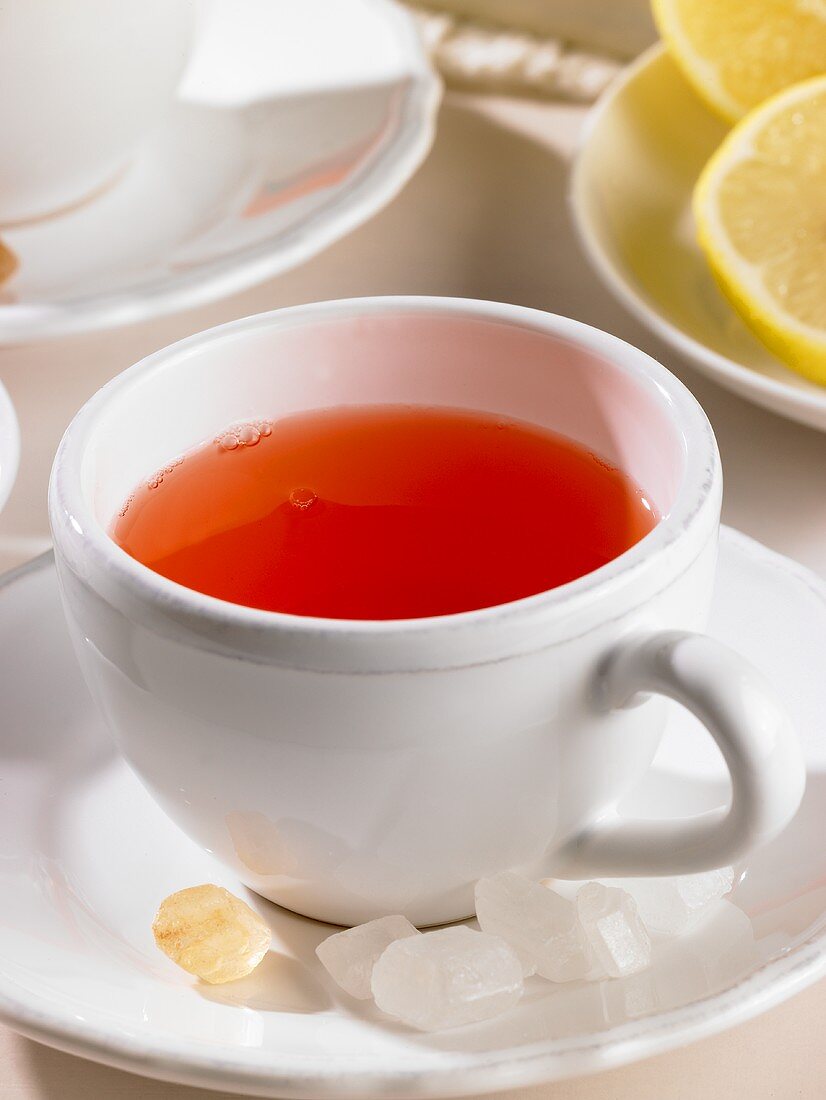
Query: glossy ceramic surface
column 641, row 153
column 9, row 445
column 294, row 124
column 351, row 769
column 87, row 855
column 82, row 85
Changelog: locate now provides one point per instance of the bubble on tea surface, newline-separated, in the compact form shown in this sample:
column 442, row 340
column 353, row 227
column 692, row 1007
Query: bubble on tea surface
column 303, row 498
column 248, row 435
column 210, row 933
column 156, row 479
column 243, row 435
column 349, row 956
column 228, row 441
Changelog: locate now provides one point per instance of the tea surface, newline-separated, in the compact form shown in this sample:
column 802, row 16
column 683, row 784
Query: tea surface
column 382, row 512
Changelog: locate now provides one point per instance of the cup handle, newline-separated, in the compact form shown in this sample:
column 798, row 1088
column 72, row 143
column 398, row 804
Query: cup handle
column 753, row 732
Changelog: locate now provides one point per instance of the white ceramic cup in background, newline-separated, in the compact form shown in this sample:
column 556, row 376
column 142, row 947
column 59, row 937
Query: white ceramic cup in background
column 350, row 769
column 82, row 82
column 9, row 445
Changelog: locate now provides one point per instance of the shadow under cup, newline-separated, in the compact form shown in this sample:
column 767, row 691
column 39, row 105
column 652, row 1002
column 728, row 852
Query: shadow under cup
column 351, row 769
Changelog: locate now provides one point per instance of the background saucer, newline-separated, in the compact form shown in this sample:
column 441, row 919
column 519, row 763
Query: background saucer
column 641, row 153
column 294, row 124
column 87, row 855
column 9, row 445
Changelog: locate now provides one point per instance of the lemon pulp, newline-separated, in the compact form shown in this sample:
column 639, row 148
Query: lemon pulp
column 738, row 53
column 760, row 206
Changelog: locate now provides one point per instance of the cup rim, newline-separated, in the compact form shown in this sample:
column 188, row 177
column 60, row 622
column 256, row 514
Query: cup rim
column 92, row 553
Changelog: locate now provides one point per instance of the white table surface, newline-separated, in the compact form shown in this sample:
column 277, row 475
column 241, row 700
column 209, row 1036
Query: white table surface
column 485, row 217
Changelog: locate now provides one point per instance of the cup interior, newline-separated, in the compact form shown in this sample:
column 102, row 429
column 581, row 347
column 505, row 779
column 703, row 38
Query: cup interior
column 274, row 368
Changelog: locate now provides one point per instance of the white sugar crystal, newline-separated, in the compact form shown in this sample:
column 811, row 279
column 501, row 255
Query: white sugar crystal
column 540, row 926
column 612, row 925
column 634, row 996
column 447, row 978
column 349, row 956
column 675, row 905
column 668, row 906
column 724, row 949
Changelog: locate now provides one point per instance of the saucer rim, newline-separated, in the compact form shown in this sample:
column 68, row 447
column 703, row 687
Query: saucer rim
column 373, row 189
column 449, row 1074
column 787, row 398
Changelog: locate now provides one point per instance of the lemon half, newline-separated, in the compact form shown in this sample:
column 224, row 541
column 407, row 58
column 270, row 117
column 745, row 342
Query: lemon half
column 737, row 53
column 760, row 207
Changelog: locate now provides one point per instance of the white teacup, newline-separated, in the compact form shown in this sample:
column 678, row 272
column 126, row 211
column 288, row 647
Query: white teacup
column 351, row 769
column 82, row 81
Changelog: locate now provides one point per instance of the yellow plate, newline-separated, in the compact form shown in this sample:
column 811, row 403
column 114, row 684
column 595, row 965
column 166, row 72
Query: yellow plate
column 642, row 150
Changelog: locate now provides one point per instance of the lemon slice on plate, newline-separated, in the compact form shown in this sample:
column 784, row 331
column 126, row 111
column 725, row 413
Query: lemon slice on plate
column 737, row 53
column 760, row 207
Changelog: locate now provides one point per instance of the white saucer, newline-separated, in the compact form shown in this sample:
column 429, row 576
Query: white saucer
column 86, row 856
column 642, row 151
column 294, row 124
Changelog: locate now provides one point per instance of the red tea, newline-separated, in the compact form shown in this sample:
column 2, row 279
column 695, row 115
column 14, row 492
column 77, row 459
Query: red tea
column 382, row 512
